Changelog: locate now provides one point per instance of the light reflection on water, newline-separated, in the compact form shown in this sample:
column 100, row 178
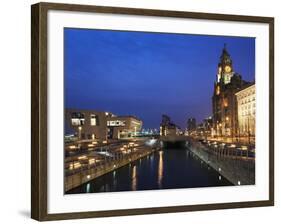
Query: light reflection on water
column 134, row 178
column 88, row 187
column 165, row 169
column 114, row 178
column 160, row 169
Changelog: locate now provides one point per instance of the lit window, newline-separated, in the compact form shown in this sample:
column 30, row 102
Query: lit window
column 218, row 90
column 77, row 119
column 116, row 123
column 225, row 103
column 94, row 120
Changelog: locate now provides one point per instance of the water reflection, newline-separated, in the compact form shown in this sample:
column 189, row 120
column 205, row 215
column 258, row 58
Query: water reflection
column 88, row 188
column 134, row 178
column 166, row 169
column 187, row 153
column 160, row 169
column 114, row 178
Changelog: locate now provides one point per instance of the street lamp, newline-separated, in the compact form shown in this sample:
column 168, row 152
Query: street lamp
column 220, row 128
column 80, row 129
column 249, row 133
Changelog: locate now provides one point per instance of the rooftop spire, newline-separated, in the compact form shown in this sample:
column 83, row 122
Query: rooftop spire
column 225, row 56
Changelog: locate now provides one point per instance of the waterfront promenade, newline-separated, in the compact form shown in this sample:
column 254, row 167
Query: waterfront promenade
column 87, row 161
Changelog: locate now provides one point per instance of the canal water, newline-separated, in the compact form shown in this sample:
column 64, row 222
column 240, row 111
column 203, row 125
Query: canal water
column 165, row 169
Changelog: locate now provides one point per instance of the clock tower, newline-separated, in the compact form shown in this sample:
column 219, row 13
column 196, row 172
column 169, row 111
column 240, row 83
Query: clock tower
column 225, row 69
column 227, row 83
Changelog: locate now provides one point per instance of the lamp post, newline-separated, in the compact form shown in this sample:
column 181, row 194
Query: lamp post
column 220, row 128
column 227, row 126
column 250, row 127
column 80, row 130
column 238, row 139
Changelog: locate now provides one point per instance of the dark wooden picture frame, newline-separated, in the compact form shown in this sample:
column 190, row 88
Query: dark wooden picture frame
column 39, row 202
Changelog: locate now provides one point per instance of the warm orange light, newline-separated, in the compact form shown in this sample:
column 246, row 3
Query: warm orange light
column 77, row 165
column 91, row 161
column 225, row 103
column 82, row 157
column 74, row 166
column 218, row 90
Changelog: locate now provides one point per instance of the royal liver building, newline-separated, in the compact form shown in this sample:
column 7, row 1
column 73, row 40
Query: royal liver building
column 227, row 84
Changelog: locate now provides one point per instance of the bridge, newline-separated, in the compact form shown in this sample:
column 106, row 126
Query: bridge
column 174, row 141
column 174, row 138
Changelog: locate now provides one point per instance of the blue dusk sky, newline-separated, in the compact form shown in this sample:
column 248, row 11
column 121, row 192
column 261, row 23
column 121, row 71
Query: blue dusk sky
column 148, row 74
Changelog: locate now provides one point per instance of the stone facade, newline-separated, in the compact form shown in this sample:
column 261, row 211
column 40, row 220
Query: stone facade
column 246, row 105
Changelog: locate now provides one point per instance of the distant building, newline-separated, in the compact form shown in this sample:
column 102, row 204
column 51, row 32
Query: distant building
column 246, row 101
column 208, row 125
column 167, row 127
column 228, row 82
column 96, row 125
column 200, row 130
column 191, row 124
column 123, row 127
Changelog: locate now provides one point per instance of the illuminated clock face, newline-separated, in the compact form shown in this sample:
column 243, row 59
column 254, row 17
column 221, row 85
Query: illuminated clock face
column 227, row 68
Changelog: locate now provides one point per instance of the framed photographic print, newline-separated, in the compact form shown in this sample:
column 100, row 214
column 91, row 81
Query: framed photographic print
column 139, row 111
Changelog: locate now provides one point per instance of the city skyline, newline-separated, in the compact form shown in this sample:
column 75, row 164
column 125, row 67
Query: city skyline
column 149, row 74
